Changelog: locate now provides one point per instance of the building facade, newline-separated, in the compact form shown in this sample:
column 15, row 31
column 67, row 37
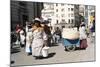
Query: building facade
column 65, row 15
column 62, row 15
column 24, row 11
column 48, row 12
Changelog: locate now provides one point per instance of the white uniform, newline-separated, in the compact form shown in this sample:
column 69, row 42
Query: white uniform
column 28, row 41
column 37, row 43
column 26, row 29
column 22, row 37
column 82, row 31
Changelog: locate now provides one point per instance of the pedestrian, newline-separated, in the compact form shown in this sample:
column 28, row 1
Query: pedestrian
column 39, row 37
column 93, row 27
column 26, row 28
column 57, row 35
column 93, row 30
column 18, row 29
column 22, row 37
column 83, row 37
column 87, row 31
column 28, row 48
column 48, row 33
column 52, row 35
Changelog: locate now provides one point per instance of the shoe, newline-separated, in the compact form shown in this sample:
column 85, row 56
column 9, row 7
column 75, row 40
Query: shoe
column 38, row 57
column 29, row 54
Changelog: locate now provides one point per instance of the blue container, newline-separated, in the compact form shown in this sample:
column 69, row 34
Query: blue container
column 68, row 42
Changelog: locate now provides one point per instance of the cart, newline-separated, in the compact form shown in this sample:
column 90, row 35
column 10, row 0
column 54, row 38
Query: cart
column 70, row 39
column 71, row 45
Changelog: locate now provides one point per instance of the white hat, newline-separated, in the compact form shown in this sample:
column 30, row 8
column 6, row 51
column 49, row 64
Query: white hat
column 37, row 19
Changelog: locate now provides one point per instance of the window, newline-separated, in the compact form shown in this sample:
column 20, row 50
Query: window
column 22, row 3
column 63, row 27
column 57, row 21
column 69, row 21
column 68, row 4
column 71, row 4
column 56, row 15
column 72, row 15
column 56, row 4
column 72, row 20
column 63, row 21
column 62, row 9
column 62, row 15
column 72, row 9
column 68, row 9
column 68, row 15
column 62, row 4
column 56, row 10
column 51, row 7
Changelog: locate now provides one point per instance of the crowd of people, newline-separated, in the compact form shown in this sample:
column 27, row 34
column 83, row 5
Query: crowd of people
column 38, row 36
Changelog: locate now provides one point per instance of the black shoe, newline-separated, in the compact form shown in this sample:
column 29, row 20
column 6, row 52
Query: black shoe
column 12, row 62
column 29, row 54
column 38, row 57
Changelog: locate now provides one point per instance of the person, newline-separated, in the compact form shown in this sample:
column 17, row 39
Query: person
column 39, row 37
column 93, row 26
column 48, row 33
column 87, row 31
column 57, row 35
column 26, row 28
column 13, row 38
column 29, row 41
column 22, row 37
column 52, row 35
column 93, row 30
column 83, row 37
column 17, row 30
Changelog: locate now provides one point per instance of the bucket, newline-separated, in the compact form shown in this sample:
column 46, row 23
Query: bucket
column 45, row 51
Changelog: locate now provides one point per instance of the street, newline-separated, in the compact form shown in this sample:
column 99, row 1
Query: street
column 56, row 55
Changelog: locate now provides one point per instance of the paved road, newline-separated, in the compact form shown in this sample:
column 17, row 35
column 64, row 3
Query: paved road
column 57, row 55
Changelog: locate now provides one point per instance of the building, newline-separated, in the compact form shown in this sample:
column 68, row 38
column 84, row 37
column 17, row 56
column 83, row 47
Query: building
column 48, row 12
column 91, row 13
column 86, row 13
column 61, row 15
column 65, row 15
column 22, row 11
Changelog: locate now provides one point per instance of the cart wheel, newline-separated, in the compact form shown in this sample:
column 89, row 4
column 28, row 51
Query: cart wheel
column 70, row 48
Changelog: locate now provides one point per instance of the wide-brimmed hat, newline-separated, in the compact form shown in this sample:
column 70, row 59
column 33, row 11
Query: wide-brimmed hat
column 36, row 20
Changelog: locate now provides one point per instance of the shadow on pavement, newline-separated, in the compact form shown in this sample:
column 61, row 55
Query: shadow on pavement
column 80, row 48
column 15, row 50
column 49, row 56
column 54, row 45
column 77, row 48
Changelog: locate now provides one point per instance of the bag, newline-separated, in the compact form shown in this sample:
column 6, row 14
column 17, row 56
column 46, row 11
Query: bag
column 45, row 51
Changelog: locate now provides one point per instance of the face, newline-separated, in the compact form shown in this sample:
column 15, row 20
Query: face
column 17, row 25
column 34, row 27
column 42, row 25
